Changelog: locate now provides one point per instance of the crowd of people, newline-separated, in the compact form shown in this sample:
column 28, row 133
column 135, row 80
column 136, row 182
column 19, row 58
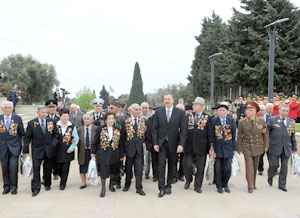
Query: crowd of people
column 145, row 138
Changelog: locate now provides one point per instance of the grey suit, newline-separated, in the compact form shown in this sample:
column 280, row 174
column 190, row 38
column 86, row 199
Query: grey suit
column 282, row 143
column 77, row 121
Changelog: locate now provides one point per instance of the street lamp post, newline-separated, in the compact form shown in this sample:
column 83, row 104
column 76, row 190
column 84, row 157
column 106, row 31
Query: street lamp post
column 212, row 69
column 271, row 29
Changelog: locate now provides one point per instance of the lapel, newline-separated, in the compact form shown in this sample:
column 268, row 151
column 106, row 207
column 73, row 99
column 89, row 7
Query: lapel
column 39, row 126
column 82, row 135
column 94, row 128
column 172, row 115
column 165, row 115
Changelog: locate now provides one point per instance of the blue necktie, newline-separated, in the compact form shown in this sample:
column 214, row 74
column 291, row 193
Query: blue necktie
column 7, row 123
column 87, row 140
column 43, row 126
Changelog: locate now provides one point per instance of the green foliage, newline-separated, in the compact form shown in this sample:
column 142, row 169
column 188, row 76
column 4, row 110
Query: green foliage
column 124, row 98
column 35, row 80
column 6, row 90
column 136, row 93
column 84, row 97
column 104, row 94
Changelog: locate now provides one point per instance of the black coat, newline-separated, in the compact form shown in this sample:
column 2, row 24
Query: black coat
column 175, row 130
column 134, row 145
column 62, row 156
column 199, row 135
column 56, row 118
column 40, row 143
column 107, row 155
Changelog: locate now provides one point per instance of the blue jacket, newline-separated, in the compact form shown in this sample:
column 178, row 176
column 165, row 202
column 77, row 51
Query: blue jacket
column 11, row 139
column 15, row 97
column 224, row 139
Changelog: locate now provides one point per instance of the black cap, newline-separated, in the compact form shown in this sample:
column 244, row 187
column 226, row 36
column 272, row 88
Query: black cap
column 51, row 103
column 221, row 105
column 188, row 107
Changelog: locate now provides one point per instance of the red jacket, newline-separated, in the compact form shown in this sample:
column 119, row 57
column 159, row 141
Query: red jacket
column 276, row 110
column 294, row 107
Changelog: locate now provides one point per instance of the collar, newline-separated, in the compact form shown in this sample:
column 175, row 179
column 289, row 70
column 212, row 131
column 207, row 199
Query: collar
column 137, row 118
column 5, row 117
column 59, row 123
column 97, row 114
column 40, row 120
column 171, row 109
column 199, row 114
column 89, row 127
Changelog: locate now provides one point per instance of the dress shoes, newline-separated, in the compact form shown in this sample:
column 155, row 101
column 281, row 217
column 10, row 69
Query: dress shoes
column 154, row 179
column 161, row 193
column 168, row 191
column 198, row 190
column 102, row 193
column 283, row 189
column 260, row 173
column 55, row 177
column 141, row 192
column 250, row 190
column 181, row 178
column 270, row 182
column 118, row 186
column 82, row 187
column 187, row 185
column 111, row 188
column 220, row 190
column 174, row 180
column 47, row 188
column 126, row 188
column 227, row 189
column 35, row 193
column 147, row 177
column 14, row 191
column 62, row 187
column 6, row 191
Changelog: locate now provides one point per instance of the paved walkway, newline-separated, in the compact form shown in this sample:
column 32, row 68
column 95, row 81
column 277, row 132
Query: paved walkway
column 265, row 202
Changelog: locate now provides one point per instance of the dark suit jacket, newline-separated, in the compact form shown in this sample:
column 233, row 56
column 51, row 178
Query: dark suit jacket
column 56, row 96
column 8, row 141
column 40, row 143
column 77, row 121
column 56, row 118
column 175, row 130
column 107, row 156
column 199, row 137
column 81, row 144
column 224, row 147
column 282, row 139
column 135, row 145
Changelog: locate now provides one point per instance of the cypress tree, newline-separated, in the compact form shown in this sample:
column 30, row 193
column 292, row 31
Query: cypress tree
column 136, row 93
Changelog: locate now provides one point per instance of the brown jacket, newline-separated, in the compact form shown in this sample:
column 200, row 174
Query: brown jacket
column 251, row 140
column 81, row 144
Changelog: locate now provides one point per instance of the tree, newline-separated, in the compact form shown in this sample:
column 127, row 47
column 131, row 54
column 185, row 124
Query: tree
column 105, row 96
column 84, row 97
column 35, row 80
column 247, row 48
column 136, row 93
column 211, row 40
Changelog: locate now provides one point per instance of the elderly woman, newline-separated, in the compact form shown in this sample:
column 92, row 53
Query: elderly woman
column 86, row 134
column 67, row 141
column 108, row 141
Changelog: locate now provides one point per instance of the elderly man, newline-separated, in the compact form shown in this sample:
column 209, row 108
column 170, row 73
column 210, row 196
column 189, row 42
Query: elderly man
column 98, row 115
column 224, row 146
column 262, row 110
column 75, row 116
column 282, row 144
column 253, row 141
column 43, row 137
column 166, row 123
column 11, row 133
column 198, row 143
column 86, row 135
column 135, row 134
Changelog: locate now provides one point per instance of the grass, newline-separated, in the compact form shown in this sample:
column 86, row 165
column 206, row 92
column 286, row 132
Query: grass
column 297, row 127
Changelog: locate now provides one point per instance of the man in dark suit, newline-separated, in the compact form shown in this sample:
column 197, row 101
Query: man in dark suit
column 169, row 126
column 56, row 95
column 198, row 143
column 11, row 133
column 224, row 145
column 41, row 133
column 282, row 144
column 135, row 133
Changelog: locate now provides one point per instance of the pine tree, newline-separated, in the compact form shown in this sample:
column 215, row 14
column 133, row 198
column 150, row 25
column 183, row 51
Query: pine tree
column 136, row 93
column 105, row 96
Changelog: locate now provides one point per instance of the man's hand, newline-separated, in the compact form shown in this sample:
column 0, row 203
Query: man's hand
column 73, row 141
column 179, row 149
column 122, row 158
column 69, row 151
column 147, row 153
column 25, row 155
column 156, row 148
column 266, row 149
column 93, row 155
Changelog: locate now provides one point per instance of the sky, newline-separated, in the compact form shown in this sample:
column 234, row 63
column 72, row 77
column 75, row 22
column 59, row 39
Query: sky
column 94, row 42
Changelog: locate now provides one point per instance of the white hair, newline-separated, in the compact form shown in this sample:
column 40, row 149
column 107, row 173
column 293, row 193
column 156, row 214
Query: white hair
column 78, row 107
column 87, row 116
column 269, row 105
column 6, row 102
column 145, row 103
column 262, row 107
column 41, row 107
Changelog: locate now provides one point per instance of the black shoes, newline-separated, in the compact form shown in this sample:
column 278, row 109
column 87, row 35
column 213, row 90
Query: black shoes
column 118, row 186
column 35, row 193
column 6, row 191
column 126, row 188
column 62, row 187
column 227, row 189
column 283, row 189
column 154, row 179
column 260, row 173
column 220, row 190
column 198, row 190
column 47, row 188
column 250, row 190
column 102, row 193
column 55, row 177
column 187, row 185
column 168, row 191
column 140, row 192
column 147, row 177
column 14, row 192
column 161, row 193
column 181, row 178
column 270, row 181
column 82, row 187
column 111, row 188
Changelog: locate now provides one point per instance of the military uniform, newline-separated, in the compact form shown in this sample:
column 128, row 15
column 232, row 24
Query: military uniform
column 252, row 141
